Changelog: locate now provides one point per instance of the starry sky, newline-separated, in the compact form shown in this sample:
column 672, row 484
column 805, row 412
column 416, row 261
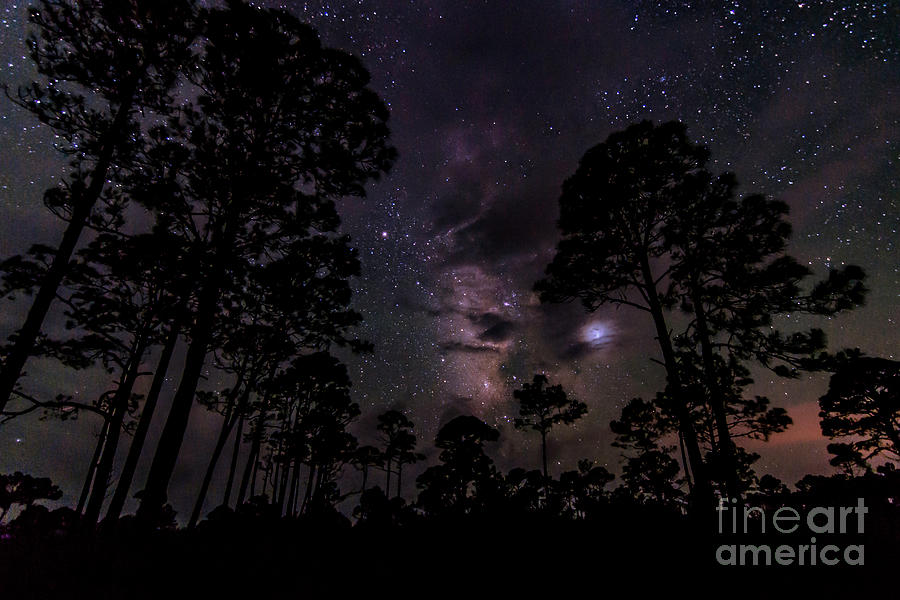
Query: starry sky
column 492, row 104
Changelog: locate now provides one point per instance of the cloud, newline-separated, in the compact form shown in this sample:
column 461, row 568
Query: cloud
column 512, row 225
column 577, row 350
column 496, row 328
column 458, row 208
column 469, row 348
column 500, row 332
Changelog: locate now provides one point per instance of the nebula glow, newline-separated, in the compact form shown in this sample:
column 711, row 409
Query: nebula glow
column 597, row 333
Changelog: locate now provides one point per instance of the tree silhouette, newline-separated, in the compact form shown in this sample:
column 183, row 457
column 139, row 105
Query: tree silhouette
column 139, row 437
column 730, row 272
column 251, row 343
column 643, row 214
column 644, row 423
column 311, row 403
column 613, row 212
column 126, row 300
column 21, row 488
column 863, row 406
column 260, row 414
column 115, row 293
column 653, row 476
column 750, row 417
column 374, row 508
column 234, row 405
column 525, row 491
column 542, row 406
column 406, row 456
column 281, row 128
column 582, row 491
column 466, row 479
column 399, row 445
column 650, row 473
column 364, row 458
column 160, row 256
column 331, row 446
column 769, row 485
column 127, row 55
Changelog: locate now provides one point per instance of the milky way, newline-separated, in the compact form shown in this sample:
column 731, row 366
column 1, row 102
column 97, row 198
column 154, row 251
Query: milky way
column 492, row 104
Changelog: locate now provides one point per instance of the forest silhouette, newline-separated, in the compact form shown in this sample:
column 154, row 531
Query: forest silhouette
column 206, row 149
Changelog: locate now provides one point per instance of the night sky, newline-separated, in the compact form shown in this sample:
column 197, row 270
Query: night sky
column 492, row 104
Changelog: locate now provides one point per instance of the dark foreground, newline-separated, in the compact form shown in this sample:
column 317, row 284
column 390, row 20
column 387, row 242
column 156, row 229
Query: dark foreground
column 637, row 552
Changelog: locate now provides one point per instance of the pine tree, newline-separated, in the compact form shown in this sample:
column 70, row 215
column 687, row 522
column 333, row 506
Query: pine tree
column 862, row 406
column 613, row 214
column 731, row 274
column 399, row 444
column 250, row 173
column 117, row 294
column 101, row 65
column 541, row 406
column 650, row 473
column 466, row 480
column 21, row 488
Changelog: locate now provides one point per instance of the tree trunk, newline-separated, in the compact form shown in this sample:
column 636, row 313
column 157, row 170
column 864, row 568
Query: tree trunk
column 279, row 476
column 684, row 463
column 226, row 497
column 283, row 486
column 702, row 490
column 387, row 483
column 140, row 434
column 725, row 445
column 227, row 426
column 167, row 450
column 544, row 454
column 272, row 476
column 292, row 498
column 265, row 485
column 317, row 491
column 296, row 490
column 207, row 477
column 252, row 469
column 308, row 492
column 248, row 472
column 119, row 410
column 255, row 476
column 83, row 205
column 92, row 469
